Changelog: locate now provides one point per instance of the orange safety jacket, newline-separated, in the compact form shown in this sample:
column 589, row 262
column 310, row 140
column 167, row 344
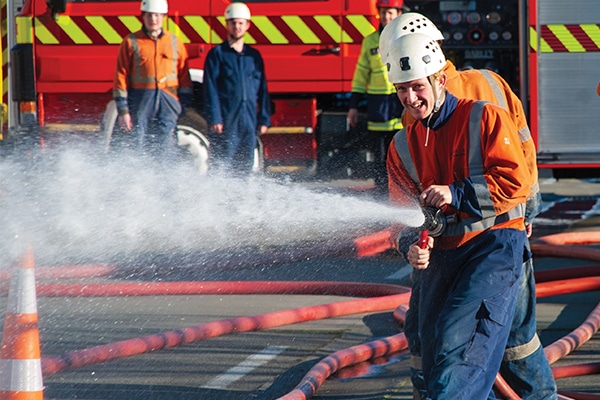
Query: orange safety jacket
column 146, row 63
column 487, row 85
column 478, row 142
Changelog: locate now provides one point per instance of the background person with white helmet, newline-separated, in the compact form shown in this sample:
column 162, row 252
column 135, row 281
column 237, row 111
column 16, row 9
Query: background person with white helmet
column 235, row 96
column 383, row 108
column 524, row 366
column 463, row 157
column 152, row 84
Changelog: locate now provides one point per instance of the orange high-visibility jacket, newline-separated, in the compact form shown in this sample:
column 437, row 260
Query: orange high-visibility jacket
column 492, row 160
column 145, row 63
column 489, row 86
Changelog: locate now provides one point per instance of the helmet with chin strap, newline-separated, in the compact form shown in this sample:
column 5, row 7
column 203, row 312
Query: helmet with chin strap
column 414, row 57
column 406, row 24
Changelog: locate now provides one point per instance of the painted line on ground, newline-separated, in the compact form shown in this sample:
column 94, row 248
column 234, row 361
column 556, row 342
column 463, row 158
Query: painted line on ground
column 245, row 367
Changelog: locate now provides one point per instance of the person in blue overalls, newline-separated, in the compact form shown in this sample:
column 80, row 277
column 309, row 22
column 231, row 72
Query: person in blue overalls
column 236, row 100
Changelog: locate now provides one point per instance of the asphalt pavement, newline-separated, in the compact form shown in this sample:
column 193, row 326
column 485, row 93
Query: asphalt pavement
column 268, row 362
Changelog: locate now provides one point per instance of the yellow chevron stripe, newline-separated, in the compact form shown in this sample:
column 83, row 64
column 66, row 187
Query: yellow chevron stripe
column 132, row 23
column 566, row 38
column 361, row 23
column 545, row 47
column 269, row 30
column 104, row 29
column 533, row 38
column 333, row 29
column 200, row 26
column 593, row 31
column 24, row 30
column 43, row 34
column 306, row 35
column 72, row 30
column 172, row 27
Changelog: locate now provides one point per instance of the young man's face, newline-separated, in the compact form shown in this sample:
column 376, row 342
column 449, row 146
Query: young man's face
column 417, row 96
column 386, row 15
column 153, row 21
column 237, row 27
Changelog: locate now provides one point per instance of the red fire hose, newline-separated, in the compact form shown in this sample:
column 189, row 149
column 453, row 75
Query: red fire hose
column 379, row 297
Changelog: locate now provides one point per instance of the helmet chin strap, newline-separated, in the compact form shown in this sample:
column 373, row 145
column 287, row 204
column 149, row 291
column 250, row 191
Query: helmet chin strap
column 438, row 99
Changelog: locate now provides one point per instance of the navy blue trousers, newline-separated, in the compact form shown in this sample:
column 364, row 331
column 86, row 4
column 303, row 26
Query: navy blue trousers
column 466, row 303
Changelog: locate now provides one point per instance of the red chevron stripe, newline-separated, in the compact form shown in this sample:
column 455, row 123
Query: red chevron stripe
column 552, row 40
column 54, row 29
column 286, row 30
column 582, row 37
column 356, row 36
column 89, row 30
column 189, row 31
column 318, row 31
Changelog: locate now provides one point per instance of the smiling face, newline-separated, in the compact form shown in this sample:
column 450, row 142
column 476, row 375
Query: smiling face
column 418, row 96
column 387, row 14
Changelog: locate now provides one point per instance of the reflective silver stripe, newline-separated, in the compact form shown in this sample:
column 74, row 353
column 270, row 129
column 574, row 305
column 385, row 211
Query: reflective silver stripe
column 173, row 74
column 137, row 65
column 496, row 88
column 524, row 134
column 119, row 93
column 522, row 351
column 401, row 143
column 22, row 289
column 21, row 375
column 475, row 225
column 476, row 170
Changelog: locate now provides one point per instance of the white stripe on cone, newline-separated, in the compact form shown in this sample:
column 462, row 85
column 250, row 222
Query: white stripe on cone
column 21, row 376
column 22, row 299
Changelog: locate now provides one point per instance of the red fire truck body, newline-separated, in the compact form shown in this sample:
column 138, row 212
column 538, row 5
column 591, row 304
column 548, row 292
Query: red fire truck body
column 310, row 50
column 63, row 56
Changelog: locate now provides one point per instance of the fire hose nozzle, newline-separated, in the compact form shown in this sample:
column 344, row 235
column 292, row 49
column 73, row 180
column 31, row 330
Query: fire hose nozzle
column 435, row 221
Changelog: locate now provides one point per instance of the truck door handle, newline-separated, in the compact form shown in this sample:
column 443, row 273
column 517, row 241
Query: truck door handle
column 322, row 52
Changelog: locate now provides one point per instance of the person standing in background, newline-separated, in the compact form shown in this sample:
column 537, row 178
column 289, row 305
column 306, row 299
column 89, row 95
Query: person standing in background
column 235, row 96
column 152, row 84
column 383, row 107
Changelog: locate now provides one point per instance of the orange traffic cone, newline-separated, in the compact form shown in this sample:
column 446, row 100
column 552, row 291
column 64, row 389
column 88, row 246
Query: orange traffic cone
column 20, row 363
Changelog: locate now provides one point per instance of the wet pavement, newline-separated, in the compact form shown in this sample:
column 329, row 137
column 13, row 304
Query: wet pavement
column 268, row 363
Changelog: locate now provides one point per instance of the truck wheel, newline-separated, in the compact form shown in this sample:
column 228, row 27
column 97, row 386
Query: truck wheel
column 196, row 144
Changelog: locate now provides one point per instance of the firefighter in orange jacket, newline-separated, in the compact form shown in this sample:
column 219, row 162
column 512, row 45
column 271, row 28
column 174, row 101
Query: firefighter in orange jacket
column 524, row 366
column 152, row 83
column 464, row 157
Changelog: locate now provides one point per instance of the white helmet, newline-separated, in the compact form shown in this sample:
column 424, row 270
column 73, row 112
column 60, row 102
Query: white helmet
column 405, row 24
column 413, row 57
column 155, row 6
column 237, row 10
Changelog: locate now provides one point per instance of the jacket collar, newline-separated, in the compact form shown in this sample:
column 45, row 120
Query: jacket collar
column 439, row 118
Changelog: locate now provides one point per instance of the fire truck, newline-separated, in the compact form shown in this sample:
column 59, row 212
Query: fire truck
column 63, row 53
column 64, row 56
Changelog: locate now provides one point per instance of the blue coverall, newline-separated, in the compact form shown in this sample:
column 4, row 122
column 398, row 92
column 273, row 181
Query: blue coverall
column 235, row 95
